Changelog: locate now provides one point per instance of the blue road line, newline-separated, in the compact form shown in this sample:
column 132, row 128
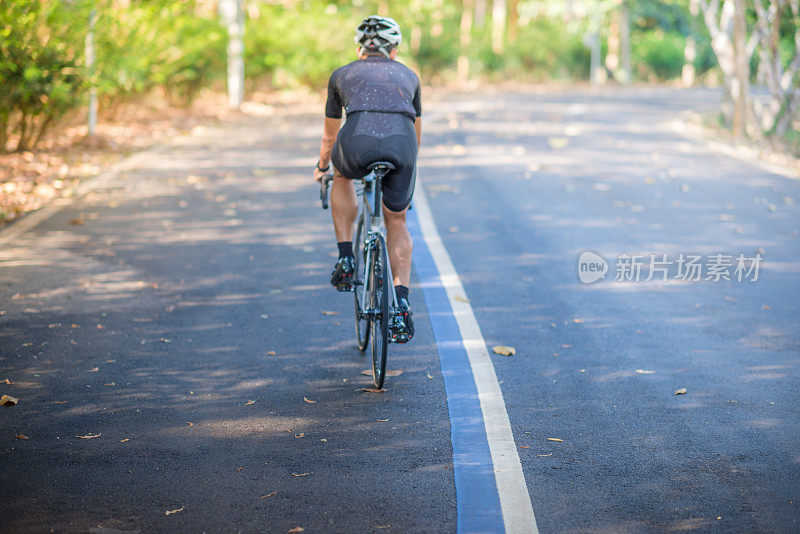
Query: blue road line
column 477, row 499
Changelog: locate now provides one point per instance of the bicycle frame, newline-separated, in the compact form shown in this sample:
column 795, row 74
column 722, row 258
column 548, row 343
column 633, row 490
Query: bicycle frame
column 371, row 206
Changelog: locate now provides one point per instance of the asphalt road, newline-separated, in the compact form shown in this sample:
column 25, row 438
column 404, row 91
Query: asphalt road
column 181, row 314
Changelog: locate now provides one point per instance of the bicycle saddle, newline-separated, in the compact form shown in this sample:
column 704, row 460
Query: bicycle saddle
column 381, row 168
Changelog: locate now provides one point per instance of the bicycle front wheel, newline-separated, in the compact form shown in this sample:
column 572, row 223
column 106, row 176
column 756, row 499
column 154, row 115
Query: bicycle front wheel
column 360, row 252
column 378, row 289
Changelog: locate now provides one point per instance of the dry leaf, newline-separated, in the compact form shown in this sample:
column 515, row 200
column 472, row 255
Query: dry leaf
column 60, row 402
column 6, row 381
column 76, row 222
column 309, row 400
column 545, row 455
column 643, row 372
column 240, row 468
column 461, row 298
column 271, row 353
column 165, row 340
column 505, row 351
column 681, row 391
column 429, row 375
column 93, row 370
column 300, row 435
column 269, row 494
column 299, row 474
column 394, row 372
column 124, row 440
column 296, row 530
column 22, row 436
column 170, row 512
column 189, row 423
column 524, row 447
column 7, row 400
column 372, row 390
column 554, row 439
column 579, row 321
column 382, row 420
column 248, row 403
column 89, row 436
column 326, row 312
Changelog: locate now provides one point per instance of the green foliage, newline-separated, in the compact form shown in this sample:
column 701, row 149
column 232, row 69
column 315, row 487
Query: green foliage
column 158, row 44
column 658, row 55
column 40, row 75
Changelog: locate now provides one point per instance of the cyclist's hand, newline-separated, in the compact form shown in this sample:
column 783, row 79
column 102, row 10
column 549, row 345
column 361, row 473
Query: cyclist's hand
column 319, row 175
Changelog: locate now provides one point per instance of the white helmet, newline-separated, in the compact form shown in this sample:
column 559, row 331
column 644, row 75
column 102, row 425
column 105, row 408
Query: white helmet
column 377, row 33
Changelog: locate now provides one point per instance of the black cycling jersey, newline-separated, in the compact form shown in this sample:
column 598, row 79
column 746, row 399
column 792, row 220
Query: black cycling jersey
column 382, row 99
column 377, row 84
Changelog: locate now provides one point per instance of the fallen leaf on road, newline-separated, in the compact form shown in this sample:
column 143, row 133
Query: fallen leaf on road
column 7, row 400
column 60, row 402
column 89, row 436
column 269, row 494
column 429, row 375
column 296, row 530
column 503, row 350
column 372, row 390
column 76, row 222
column 271, row 353
column 545, row 455
column 170, row 512
column 681, row 391
column 165, row 340
column 524, row 447
column 6, row 381
column 22, row 436
column 93, row 370
column 643, row 372
column 299, row 474
column 309, row 400
column 382, row 420
column 264, row 316
column 248, row 403
column 240, row 468
column 576, row 320
column 460, row 298
column 188, row 423
column 300, row 435
column 383, row 526
column 765, row 307
column 327, row 312
column 124, row 440
column 554, row 439
column 324, row 440
column 54, row 325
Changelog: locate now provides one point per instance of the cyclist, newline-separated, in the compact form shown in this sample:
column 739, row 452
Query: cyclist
column 382, row 101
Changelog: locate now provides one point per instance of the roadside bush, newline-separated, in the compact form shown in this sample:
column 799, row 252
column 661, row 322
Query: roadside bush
column 658, row 55
column 40, row 60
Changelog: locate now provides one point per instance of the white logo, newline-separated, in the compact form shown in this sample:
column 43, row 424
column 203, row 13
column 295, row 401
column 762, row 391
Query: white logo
column 591, row 267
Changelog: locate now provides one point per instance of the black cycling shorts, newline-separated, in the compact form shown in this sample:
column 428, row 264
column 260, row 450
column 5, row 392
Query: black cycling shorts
column 367, row 137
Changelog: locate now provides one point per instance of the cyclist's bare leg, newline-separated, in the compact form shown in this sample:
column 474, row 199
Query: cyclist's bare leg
column 344, row 207
column 398, row 241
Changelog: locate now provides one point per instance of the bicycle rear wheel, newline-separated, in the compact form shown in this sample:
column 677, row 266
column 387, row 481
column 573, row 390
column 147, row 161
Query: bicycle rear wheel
column 362, row 324
column 379, row 302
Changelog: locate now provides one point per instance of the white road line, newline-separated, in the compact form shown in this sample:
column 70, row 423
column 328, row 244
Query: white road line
column 515, row 501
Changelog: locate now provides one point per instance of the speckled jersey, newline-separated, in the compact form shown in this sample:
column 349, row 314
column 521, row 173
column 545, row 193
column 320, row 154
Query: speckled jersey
column 375, row 84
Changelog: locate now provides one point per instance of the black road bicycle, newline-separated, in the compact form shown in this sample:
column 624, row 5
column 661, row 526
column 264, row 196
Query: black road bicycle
column 375, row 298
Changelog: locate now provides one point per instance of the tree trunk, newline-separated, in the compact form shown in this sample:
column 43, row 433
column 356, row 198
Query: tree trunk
column 480, row 13
column 498, row 26
column 513, row 20
column 624, row 75
column 741, row 87
column 465, row 39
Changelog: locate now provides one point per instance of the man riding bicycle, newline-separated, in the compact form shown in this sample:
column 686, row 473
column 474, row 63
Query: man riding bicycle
column 382, row 101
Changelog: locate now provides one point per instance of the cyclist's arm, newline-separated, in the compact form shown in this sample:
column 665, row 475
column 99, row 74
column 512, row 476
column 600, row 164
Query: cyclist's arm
column 328, row 139
column 418, row 128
